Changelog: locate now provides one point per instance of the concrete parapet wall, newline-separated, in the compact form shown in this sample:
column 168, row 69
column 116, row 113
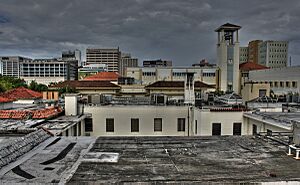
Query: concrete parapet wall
column 16, row 148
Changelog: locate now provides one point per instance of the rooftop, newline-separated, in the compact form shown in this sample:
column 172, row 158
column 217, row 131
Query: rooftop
column 250, row 66
column 85, row 84
column 188, row 160
column 21, row 93
column 228, row 27
column 104, row 76
column 223, row 159
column 281, row 119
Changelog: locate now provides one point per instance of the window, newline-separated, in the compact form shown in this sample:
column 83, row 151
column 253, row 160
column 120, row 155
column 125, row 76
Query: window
column 269, row 132
column 281, row 84
column 135, row 125
column 110, row 127
column 196, row 127
column 254, row 129
column 294, row 84
column 237, row 129
column 216, row 129
column 181, row 124
column 157, row 124
column 262, row 92
column 88, row 125
column 287, row 84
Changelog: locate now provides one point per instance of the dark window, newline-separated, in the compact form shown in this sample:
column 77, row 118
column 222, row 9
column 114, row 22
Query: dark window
column 237, row 128
column 262, row 92
column 67, row 132
column 79, row 129
column 134, row 125
column 181, row 124
column 254, row 129
column 269, row 132
column 216, row 129
column 157, row 124
column 196, row 127
column 110, row 127
column 88, row 125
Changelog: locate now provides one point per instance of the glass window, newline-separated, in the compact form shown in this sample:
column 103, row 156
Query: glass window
column 89, row 125
column 134, row 125
column 157, row 124
column 181, row 124
column 110, row 127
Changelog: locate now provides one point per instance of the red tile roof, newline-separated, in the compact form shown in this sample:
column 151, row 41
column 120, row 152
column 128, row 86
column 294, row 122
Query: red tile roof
column 176, row 84
column 250, row 66
column 34, row 114
column 21, row 93
column 5, row 100
column 104, row 76
column 85, row 84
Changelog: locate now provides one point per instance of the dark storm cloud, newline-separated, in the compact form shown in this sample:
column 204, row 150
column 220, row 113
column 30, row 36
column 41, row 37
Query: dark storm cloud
column 182, row 31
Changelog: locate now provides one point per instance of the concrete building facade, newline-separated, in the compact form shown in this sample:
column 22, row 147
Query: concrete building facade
column 11, row 65
column 254, row 48
column 72, row 55
column 244, row 54
column 110, row 57
column 127, row 61
column 148, row 75
column 228, row 57
column 46, row 71
column 273, row 54
column 157, row 63
column 281, row 80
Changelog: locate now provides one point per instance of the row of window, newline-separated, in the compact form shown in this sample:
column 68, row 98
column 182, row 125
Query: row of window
column 288, row 84
column 272, row 44
column 157, row 126
column 209, row 74
column 149, row 73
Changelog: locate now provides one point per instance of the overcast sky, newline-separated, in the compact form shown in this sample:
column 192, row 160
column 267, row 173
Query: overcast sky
column 177, row 30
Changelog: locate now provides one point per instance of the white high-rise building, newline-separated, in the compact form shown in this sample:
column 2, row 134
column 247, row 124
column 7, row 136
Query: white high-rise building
column 273, row 54
column 228, row 57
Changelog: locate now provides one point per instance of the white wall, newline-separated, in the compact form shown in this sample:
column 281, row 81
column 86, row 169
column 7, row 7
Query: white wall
column 205, row 119
column 122, row 120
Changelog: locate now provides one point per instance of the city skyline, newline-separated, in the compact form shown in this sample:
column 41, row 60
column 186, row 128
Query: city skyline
column 172, row 30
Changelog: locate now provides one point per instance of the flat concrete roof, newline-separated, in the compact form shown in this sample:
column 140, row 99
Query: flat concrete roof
column 225, row 159
column 177, row 160
column 50, row 162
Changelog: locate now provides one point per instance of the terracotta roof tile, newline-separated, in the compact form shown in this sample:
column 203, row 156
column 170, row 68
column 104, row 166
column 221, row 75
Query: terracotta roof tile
column 5, row 100
column 250, row 66
column 81, row 84
column 21, row 93
column 105, row 76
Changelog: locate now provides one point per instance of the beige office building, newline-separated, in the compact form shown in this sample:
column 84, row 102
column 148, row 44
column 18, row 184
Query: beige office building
column 109, row 57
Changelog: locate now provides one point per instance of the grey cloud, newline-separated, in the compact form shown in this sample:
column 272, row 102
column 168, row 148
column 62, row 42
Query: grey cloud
column 182, row 31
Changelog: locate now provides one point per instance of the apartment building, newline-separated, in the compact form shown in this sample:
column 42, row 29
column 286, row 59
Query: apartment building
column 109, row 57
